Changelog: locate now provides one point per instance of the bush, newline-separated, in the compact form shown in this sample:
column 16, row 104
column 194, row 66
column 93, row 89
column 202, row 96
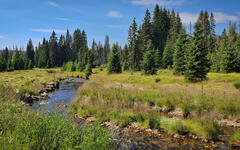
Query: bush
column 237, row 85
column 69, row 66
column 157, row 80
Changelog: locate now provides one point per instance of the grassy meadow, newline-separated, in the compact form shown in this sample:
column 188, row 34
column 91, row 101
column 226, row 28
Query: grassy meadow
column 125, row 98
column 24, row 129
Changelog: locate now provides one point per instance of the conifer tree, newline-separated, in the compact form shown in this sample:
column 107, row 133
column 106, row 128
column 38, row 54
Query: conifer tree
column 179, row 54
column 68, row 47
column 146, row 29
column 106, row 49
column 5, row 54
column 134, row 53
column 30, row 51
column 196, row 60
column 3, row 65
column 125, row 61
column 53, row 48
column 148, row 62
column 77, row 43
column 114, row 65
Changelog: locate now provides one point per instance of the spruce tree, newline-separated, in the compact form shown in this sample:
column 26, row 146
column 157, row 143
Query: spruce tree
column 77, row 44
column 3, row 65
column 114, row 65
column 196, row 60
column 179, row 54
column 68, row 47
column 30, row 51
column 53, row 48
column 148, row 62
column 134, row 53
column 106, row 49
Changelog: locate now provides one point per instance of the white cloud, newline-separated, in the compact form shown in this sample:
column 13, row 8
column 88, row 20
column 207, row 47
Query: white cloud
column 116, row 26
column 2, row 37
column 48, row 30
column 52, row 4
column 188, row 18
column 224, row 18
column 114, row 14
column 63, row 19
column 219, row 17
column 160, row 2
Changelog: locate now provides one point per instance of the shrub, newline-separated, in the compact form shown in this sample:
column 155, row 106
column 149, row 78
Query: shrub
column 69, row 66
column 157, row 80
column 237, row 85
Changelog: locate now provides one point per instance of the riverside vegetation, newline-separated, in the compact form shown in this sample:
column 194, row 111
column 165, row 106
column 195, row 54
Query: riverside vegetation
column 24, row 129
column 126, row 99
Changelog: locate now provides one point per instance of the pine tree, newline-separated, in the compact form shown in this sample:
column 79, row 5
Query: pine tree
column 148, row 62
column 77, row 43
column 114, row 65
column 53, row 48
column 224, row 53
column 5, row 54
column 30, row 51
column 179, row 54
column 106, row 49
column 125, row 56
column 196, row 60
column 146, row 30
column 3, row 65
column 68, row 47
column 62, row 53
column 134, row 53
column 16, row 60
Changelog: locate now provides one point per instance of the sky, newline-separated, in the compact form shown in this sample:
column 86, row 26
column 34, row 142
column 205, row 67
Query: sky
column 21, row 20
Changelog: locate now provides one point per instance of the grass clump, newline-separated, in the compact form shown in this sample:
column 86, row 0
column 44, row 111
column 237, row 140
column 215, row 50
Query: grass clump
column 22, row 129
column 236, row 137
column 154, row 122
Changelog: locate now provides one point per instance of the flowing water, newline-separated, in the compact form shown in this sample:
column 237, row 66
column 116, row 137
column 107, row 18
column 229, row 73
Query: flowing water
column 60, row 100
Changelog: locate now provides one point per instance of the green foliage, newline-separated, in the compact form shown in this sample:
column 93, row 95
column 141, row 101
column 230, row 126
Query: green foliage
column 179, row 55
column 236, row 137
column 88, row 71
column 154, row 122
column 69, row 66
column 114, row 65
column 95, row 138
column 237, row 85
column 196, row 61
column 148, row 62
column 3, row 65
column 180, row 128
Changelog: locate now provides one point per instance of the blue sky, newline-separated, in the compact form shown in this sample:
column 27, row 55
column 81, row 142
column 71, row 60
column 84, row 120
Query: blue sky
column 35, row 19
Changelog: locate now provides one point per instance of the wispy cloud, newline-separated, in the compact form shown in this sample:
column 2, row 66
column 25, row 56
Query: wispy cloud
column 224, row 18
column 160, row 2
column 50, row 3
column 63, row 19
column 220, row 17
column 188, row 18
column 1, row 37
column 114, row 14
column 48, row 30
column 116, row 26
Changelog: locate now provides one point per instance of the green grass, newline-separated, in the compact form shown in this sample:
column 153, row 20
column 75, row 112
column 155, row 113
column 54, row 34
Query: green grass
column 126, row 98
column 21, row 128
column 236, row 137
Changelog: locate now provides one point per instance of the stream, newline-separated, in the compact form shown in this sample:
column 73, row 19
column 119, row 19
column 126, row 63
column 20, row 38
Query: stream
column 61, row 99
